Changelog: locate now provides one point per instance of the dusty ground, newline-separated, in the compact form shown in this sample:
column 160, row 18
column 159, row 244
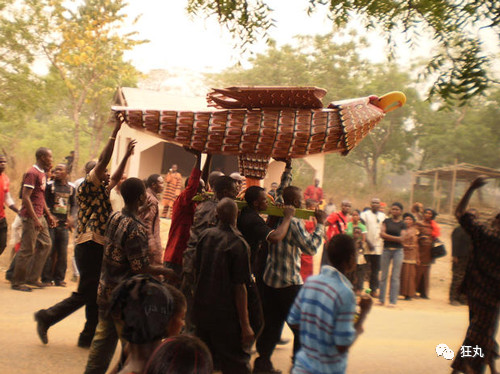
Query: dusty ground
column 400, row 340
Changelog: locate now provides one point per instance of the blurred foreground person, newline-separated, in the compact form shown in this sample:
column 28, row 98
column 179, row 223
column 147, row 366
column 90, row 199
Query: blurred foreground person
column 325, row 311
column 482, row 287
column 183, row 354
column 146, row 311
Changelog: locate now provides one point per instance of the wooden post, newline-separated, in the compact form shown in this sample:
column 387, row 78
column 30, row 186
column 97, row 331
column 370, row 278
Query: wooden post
column 434, row 192
column 412, row 189
column 452, row 190
column 440, row 187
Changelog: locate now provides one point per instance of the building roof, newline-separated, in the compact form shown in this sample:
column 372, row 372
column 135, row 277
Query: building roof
column 137, row 98
column 464, row 171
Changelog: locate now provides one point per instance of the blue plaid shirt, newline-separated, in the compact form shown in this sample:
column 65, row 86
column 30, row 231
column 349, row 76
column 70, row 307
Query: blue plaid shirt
column 324, row 309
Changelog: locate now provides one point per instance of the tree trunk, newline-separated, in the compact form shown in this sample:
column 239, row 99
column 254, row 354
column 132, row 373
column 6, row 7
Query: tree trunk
column 371, row 168
column 76, row 120
column 97, row 138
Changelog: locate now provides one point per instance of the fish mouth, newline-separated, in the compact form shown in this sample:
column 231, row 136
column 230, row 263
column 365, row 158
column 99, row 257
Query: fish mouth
column 390, row 101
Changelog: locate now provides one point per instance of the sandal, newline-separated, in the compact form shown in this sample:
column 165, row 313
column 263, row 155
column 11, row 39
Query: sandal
column 21, row 287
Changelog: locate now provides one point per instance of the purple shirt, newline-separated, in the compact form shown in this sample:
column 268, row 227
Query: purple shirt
column 35, row 179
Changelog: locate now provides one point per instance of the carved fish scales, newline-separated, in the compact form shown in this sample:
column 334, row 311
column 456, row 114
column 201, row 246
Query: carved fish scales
column 255, row 135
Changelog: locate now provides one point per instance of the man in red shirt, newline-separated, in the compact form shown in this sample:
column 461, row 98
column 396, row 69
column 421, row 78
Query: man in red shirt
column 5, row 200
column 35, row 240
column 337, row 221
column 314, row 192
column 182, row 215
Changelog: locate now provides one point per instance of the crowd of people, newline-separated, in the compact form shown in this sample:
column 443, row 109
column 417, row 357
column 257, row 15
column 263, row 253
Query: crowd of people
column 228, row 278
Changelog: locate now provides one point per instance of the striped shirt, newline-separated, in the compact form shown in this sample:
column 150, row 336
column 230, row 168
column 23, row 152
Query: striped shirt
column 283, row 260
column 324, row 309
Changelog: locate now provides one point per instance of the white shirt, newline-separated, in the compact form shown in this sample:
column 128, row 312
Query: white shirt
column 373, row 223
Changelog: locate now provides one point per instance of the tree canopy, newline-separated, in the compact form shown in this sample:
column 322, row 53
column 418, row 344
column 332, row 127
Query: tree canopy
column 460, row 67
column 337, row 67
column 84, row 49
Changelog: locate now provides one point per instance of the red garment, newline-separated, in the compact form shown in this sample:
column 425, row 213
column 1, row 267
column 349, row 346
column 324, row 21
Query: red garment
column 338, row 224
column 313, row 192
column 306, row 261
column 182, row 219
column 35, row 179
column 436, row 231
column 4, row 189
column 306, row 266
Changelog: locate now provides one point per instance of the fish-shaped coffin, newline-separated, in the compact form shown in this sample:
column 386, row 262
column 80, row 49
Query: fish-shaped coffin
column 264, row 122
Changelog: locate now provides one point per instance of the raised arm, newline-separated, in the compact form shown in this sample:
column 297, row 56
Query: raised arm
column 117, row 175
column 206, row 168
column 462, row 205
column 105, row 156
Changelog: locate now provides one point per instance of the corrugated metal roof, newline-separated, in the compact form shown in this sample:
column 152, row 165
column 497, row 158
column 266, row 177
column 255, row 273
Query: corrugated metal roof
column 463, row 171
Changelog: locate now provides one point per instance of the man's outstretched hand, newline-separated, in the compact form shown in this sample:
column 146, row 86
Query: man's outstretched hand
column 131, row 147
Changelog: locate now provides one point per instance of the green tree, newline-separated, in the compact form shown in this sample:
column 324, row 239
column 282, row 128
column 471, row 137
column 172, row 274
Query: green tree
column 391, row 141
column 19, row 89
column 314, row 61
column 466, row 134
column 85, row 50
column 460, row 67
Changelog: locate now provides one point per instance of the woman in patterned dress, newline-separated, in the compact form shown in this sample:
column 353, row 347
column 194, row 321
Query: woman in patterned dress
column 173, row 186
column 411, row 257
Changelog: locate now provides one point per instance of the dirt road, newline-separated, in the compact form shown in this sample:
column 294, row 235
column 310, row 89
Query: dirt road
column 400, row 340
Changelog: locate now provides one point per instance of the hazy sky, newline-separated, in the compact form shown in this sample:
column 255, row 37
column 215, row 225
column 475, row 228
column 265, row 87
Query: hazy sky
column 179, row 40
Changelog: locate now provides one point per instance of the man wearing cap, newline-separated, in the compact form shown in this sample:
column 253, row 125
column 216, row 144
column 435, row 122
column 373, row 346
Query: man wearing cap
column 373, row 219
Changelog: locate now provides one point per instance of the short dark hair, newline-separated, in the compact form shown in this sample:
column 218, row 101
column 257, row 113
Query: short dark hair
column 252, row 194
column 409, row 215
column 222, row 183
column 226, row 210
column 152, row 179
column 145, row 307
column 89, row 166
column 434, row 214
column 340, row 249
column 213, row 176
column 132, row 189
column 399, row 205
column 289, row 194
column 178, row 297
column 181, row 354
column 311, row 202
column 40, row 152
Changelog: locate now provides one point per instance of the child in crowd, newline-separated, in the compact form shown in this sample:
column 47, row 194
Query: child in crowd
column 183, row 354
column 325, row 310
column 355, row 222
column 146, row 311
column 361, row 248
